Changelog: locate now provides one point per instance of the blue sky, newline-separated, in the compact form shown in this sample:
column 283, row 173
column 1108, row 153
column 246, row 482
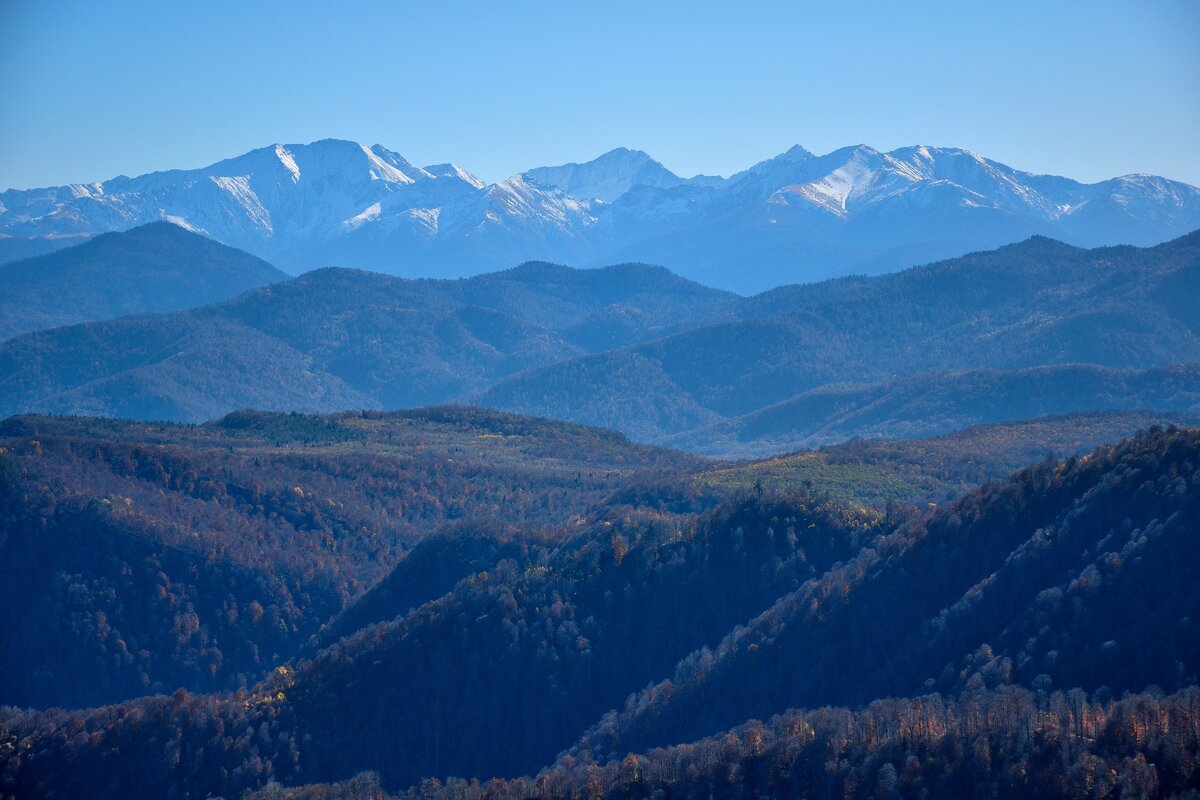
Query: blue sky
column 1086, row 89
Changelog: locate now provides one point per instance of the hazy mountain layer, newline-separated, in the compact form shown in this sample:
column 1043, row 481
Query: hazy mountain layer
column 338, row 339
column 795, row 217
column 154, row 268
column 1029, row 329
column 935, row 403
column 1037, row 303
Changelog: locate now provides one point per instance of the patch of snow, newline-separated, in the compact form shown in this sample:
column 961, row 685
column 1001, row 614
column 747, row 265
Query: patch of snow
column 455, row 172
column 370, row 214
column 174, row 219
column 427, row 218
column 382, row 170
column 288, row 161
column 239, row 189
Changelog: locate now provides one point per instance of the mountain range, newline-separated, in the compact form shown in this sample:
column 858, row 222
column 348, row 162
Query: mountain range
column 1039, row 327
column 792, row 218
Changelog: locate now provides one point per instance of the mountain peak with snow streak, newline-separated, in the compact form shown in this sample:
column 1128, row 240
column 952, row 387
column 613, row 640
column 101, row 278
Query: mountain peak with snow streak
column 605, row 177
column 795, row 217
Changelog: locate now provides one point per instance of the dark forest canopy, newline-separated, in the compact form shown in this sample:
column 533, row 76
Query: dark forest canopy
column 1006, row 624
column 146, row 557
column 1004, row 743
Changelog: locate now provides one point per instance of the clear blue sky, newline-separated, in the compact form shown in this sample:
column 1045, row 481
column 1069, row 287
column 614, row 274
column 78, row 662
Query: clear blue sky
column 89, row 90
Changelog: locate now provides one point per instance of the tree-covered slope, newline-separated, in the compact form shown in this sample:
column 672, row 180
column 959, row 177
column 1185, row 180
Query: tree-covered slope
column 929, row 404
column 155, row 268
column 1067, row 574
column 339, row 339
column 1079, row 571
column 141, row 558
column 1032, row 304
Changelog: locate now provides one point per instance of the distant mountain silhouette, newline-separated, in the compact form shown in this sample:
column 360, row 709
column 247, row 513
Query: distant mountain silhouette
column 336, row 339
column 154, row 268
column 1036, row 303
column 639, row 349
column 932, row 403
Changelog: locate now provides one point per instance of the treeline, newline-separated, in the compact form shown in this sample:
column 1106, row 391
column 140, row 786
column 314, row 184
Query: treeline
column 1006, row 743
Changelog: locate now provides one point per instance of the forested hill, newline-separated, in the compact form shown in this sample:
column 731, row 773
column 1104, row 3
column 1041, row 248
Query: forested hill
column 1027, row 329
column 153, row 556
column 1026, row 305
column 1008, row 743
column 1068, row 574
column 935, row 403
column 154, row 268
column 144, row 558
column 337, row 339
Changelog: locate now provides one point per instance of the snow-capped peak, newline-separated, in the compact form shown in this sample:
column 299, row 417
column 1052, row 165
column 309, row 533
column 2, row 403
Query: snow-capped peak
column 337, row 201
column 605, row 177
column 456, row 172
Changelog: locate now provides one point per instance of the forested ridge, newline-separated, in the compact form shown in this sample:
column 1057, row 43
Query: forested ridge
column 1004, row 743
column 1026, row 632
column 154, row 268
column 1038, row 303
column 1080, row 571
column 1029, row 329
column 940, row 402
column 150, row 557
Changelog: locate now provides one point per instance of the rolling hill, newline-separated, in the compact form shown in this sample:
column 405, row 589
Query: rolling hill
column 145, row 558
column 1037, row 303
column 155, row 268
column 335, row 339
column 1077, row 571
column 929, row 404
column 1034, row 328
column 1021, row 599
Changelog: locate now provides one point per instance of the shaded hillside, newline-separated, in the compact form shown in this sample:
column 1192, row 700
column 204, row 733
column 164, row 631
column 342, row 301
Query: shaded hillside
column 428, row 571
column 154, row 268
column 189, row 368
column 638, row 349
column 337, row 339
column 522, row 656
column 1067, row 574
column 934, row 403
column 1007, row 743
column 1031, row 304
column 141, row 558
column 1078, row 571
column 18, row 248
column 601, row 308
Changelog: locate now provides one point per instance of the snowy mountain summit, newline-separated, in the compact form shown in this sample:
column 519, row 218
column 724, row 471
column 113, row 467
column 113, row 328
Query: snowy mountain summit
column 795, row 217
column 607, row 177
